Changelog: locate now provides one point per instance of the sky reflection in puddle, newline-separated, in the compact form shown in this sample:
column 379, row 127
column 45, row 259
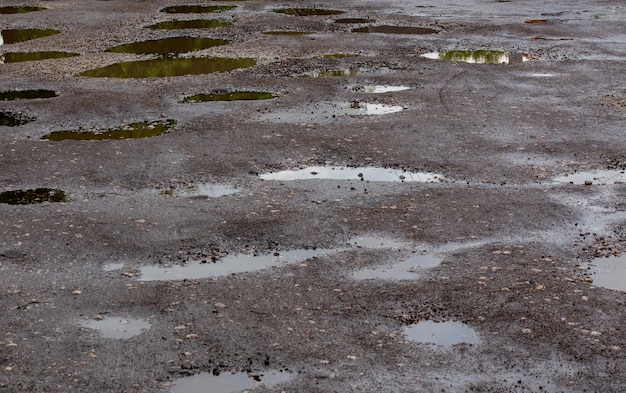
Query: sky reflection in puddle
column 616, row 176
column 610, row 272
column 445, row 334
column 479, row 56
column 377, row 89
column 229, row 382
column 116, row 327
column 207, row 190
column 359, row 173
column 405, row 270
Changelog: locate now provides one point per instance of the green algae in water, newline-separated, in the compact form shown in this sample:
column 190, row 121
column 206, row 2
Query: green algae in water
column 158, row 68
column 197, row 9
column 19, row 9
column 287, row 32
column 166, row 46
column 27, row 197
column 12, row 36
column 18, row 57
column 12, row 95
column 395, row 30
column 190, row 24
column 142, row 129
column 13, row 119
column 307, row 11
column 474, row 56
column 233, row 96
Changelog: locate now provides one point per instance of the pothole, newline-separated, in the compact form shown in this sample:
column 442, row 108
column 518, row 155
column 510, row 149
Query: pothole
column 201, row 190
column 385, row 29
column 168, row 46
column 445, row 334
column 405, row 270
column 190, row 24
column 14, row 119
column 229, row 96
column 375, row 174
column 609, row 272
column 142, row 129
column 479, row 56
column 308, row 11
column 377, row 242
column 354, row 20
column 11, row 95
column 31, row 196
column 165, row 67
column 12, row 36
column 229, row 382
column 197, row 9
column 377, row 89
column 601, row 177
column 18, row 57
column 116, row 327
column 375, row 109
column 19, row 9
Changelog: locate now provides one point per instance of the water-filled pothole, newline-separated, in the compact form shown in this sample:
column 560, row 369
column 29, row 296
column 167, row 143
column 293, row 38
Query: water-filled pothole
column 229, row 382
column 229, row 96
column 168, row 46
column 377, row 242
column 308, row 11
column 445, row 334
column 375, row 109
column 14, row 119
column 285, row 32
column 197, row 9
column 385, row 29
column 354, row 20
column 603, row 177
column 18, row 57
column 404, row 270
column 31, row 196
column 190, row 24
column 11, row 95
column 610, row 272
column 12, row 36
column 479, row 56
column 201, row 190
column 377, row 89
column 142, row 129
column 348, row 173
column 115, row 327
column 164, row 67
column 230, row 264
column 19, row 9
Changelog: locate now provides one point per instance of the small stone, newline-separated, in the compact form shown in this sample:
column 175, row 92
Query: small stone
column 352, row 357
column 77, row 292
column 526, row 331
column 588, row 182
column 98, row 317
column 324, row 361
column 585, row 298
column 191, row 336
column 219, row 305
column 595, row 333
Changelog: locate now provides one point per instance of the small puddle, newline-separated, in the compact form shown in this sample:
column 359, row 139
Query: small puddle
column 405, row 270
column 479, row 56
column 37, row 195
column 229, row 382
column 14, row 119
column 232, row 96
column 230, row 264
column 279, row 32
column 308, row 11
column 197, row 9
column 201, row 190
column 603, row 177
column 610, row 272
column 111, row 267
column 12, row 36
column 19, row 9
column 158, row 68
column 377, row 242
column 168, row 46
column 377, row 89
column 445, row 334
column 190, row 24
column 354, row 20
column 348, row 173
column 536, row 21
column 119, row 328
column 142, row 129
column 11, row 95
column 375, row 109
column 394, row 30
column 18, row 57
column 332, row 73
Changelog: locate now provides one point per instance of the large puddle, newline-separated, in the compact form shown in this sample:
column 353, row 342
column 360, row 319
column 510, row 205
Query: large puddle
column 11, row 95
column 347, row 173
column 610, row 272
column 308, row 11
column 229, row 382
column 395, row 30
column 168, row 46
column 37, row 195
column 404, row 270
column 377, row 89
column 190, row 24
column 142, row 129
column 479, row 56
column 444, row 334
column 158, row 68
column 229, row 96
column 115, row 327
column 18, row 57
column 354, row 20
column 19, row 9
column 201, row 190
column 12, row 36
column 197, row 9
column 603, row 177
column 14, row 119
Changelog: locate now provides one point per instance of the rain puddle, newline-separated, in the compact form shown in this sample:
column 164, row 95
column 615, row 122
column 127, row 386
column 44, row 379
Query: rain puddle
column 354, row 20
column 157, row 68
column 11, row 95
column 111, row 267
column 308, row 11
column 331, row 73
column 19, row 9
column 445, row 334
column 359, row 173
column 375, row 109
column 197, row 9
column 287, row 32
column 142, row 129
column 479, row 56
column 14, row 119
column 18, row 57
column 229, row 382
column 27, row 197
column 168, row 46
column 615, row 176
column 405, row 270
column 13, row 36
column 377, row 242
column 394, row 30
column 232, row 96
column 230, row 264
column 190, row 24
column 115, row 327
column 200, row 190
column 376, row 89
column 610, row 272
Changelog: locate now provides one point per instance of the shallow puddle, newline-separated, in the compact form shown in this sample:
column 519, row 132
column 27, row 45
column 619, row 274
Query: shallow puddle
column 11, row 95
column 168, row 46
column 232, row 96
column 142, row 129
column 190, row 24
column 197, row 9
column 405, row 270
column 478, row 56
column 278, row 32
column 354, row 20
column 308, row 11
column 377, row 89
column 377, row 242
column 375, row 109
column 19, row 9
column 394, row 30
column 610, row 272
column 18, row 57
column 445, row 334
column 12, row 36
column 111, row 267
column 14, row 119
column 228, row 382
column 332, row 73
column 37, row 195
column 348, row 173
column 200, row 190
column 603, row 177
column 119, row 328
column 158, row 68
column 230, row 264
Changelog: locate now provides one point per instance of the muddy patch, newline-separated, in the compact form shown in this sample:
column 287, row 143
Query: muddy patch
column 408, row 269
column 142, row 129
column 229, row 382
column 201, row 190
column 12, row 95
column 609, row 272
column 168, row 46
column 386, row 29
column 348, row 173
column 32, row 196
column 19, row 9
column 12, row 36
column 116, row 327
column 445, row 334
column 14, row 119
column 190, row 24
column 479, row 56
column 229, row 96
column 18, row 57
column 598, row 177
column 308, row 11
column 197, row 9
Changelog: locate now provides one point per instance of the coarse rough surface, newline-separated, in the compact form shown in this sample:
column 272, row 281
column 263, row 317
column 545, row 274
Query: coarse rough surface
column 514, row 243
